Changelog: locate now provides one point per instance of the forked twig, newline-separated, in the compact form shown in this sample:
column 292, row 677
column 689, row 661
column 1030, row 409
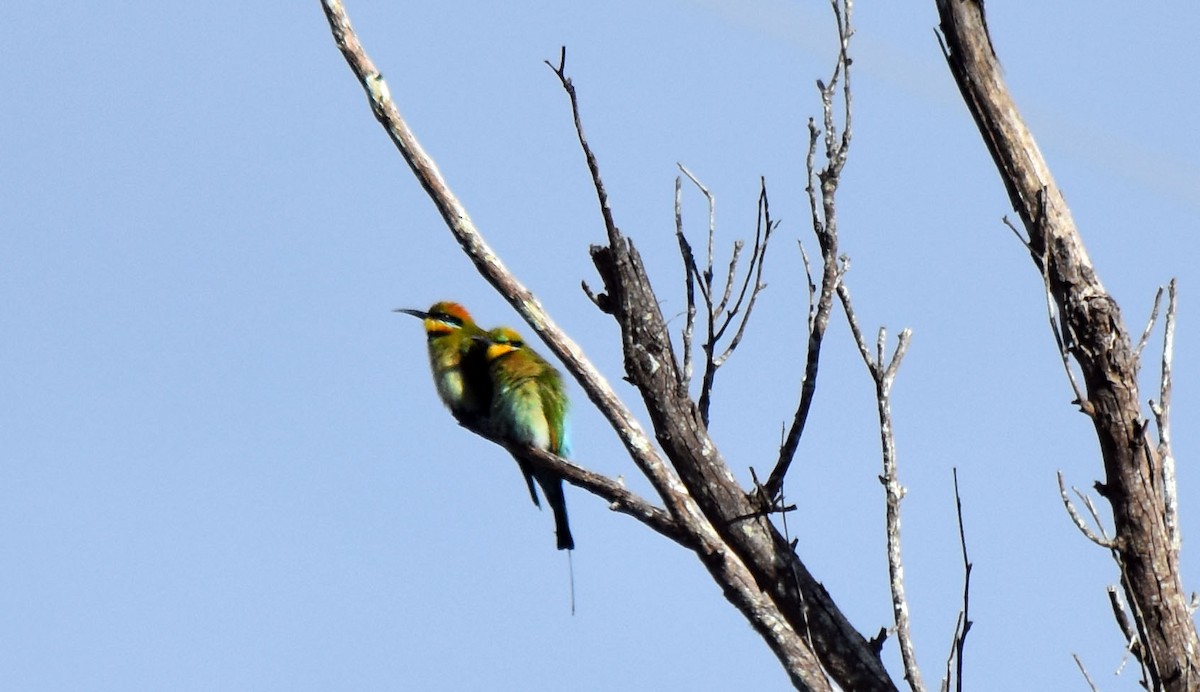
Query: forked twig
column 883, row 371
column 1103, row 542
column 720, row 314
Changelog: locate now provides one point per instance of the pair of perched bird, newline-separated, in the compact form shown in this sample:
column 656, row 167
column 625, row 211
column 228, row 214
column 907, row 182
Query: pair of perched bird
column 496, row 385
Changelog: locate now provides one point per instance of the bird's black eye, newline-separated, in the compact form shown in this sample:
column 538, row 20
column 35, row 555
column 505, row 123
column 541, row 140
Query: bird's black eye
column 516, row 344
column 447, row 318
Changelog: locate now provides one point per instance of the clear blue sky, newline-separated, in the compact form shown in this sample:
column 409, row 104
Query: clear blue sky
column 223, row 463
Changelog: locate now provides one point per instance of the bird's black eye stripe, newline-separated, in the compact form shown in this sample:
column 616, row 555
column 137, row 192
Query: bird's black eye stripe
column 447, row 318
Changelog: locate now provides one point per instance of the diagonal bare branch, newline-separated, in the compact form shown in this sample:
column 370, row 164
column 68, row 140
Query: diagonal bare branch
column 620, row 499
column 1086, row 677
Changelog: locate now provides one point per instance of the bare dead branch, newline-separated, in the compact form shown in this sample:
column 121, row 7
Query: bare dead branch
column 1162, row 421
column 689, row 274
column 963, row 624
column 748, row 535
column 762, row 236
column 883, row 372
column 1099, row 342
column 757, row 570
column 946, row 680
column 1088, row 678
column 810, row 189
column 1091, row 508
column 620, row 499
column 1137, row 352
column 812, row 289
column 1061, row 338
column 1122, row 618
column 742, row 561
column 601, row 194
column 706, row 293
column 707, row 274
column 1075, row 517
column 1007, row 222
column 845, row 31
column 730, row 279
column 824, row 221
column 720, row 315
column 855, row 331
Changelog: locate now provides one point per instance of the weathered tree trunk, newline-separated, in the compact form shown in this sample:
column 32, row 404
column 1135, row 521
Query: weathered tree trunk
column 650, row 364
column 1096, row 337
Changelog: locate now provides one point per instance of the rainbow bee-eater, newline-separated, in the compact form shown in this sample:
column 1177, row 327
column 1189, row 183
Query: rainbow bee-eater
column 529, row 405
column 457, row 358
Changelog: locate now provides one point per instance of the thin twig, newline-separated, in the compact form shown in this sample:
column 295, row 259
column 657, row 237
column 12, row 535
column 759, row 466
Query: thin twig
column 1137, row 352
column 844, row 33
column 1091, row 508
column 824, row 222
column 958, row 625
column 855, row 331
column 707, row 274
column 719, row 313
column 1122, row 618
column 1083, row 670
column 762, row 236
column 1162, row 420
column 689, row 271
column 730, row 278
column 1059, row 331
column 963, row 625
column 812, row 288
column 706, row 281
column 610, row 225
column 755, row 268
column 1075, row 517
column 1010, row 225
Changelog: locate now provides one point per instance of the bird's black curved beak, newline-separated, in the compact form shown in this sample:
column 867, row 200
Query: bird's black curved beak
column 419, row 314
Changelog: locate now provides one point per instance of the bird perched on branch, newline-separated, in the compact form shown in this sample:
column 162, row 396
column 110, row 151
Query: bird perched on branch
column 460, row 365
column 529, row 405
column 457, row 359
